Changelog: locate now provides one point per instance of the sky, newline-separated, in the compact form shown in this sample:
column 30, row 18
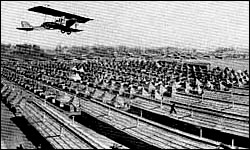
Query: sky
column 200, row 25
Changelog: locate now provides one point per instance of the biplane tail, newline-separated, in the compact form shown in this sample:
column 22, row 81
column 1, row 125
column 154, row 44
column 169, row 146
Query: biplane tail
column 25, row 24
column 27, row 27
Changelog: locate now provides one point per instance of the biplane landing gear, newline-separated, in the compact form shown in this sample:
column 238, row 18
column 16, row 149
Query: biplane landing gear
column 68, row 33
column 62, row 31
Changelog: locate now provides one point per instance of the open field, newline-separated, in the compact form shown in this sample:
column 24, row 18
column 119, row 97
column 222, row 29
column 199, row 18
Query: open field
column 235, row 64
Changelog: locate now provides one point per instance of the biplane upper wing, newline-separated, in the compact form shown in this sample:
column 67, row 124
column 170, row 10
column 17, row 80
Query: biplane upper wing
column 57, row 13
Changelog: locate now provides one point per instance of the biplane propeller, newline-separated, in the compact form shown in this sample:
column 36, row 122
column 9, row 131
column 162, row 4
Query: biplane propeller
column 63, row 23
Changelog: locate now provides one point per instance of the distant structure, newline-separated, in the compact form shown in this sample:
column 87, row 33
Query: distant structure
column 28, row 49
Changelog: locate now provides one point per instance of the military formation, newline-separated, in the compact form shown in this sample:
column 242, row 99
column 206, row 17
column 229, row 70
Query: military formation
column 126, row 77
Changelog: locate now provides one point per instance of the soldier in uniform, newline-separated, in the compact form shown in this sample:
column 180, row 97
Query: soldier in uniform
column 173, row 109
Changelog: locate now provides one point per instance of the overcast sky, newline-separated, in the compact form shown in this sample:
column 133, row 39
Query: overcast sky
column 190, row 24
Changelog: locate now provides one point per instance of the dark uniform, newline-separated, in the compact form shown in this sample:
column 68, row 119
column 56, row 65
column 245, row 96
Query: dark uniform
column 173, row 109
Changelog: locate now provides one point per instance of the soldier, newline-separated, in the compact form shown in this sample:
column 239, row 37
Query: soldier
column 116, row 146
column 173, row 109
column 20, row 147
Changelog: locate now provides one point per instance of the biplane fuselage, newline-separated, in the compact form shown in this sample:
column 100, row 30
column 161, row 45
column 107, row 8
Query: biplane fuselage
column 54, row 26
column 50, row 25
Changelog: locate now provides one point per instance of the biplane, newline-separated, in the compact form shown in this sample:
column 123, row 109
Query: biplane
column 63, row 21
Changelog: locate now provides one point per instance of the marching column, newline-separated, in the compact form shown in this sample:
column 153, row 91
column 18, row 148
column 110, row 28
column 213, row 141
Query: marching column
column 109, row 111
column 233, row 143
column 73, row 120
column 137, row 122
column 61, row 130
column 44, row 116
column 200, row 132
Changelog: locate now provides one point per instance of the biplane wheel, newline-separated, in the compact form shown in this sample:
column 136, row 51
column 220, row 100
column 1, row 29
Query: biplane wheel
column 68, row 33
column 62, row 31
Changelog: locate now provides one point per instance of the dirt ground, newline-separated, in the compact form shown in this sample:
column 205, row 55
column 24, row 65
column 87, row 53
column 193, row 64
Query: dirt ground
column 11, row 135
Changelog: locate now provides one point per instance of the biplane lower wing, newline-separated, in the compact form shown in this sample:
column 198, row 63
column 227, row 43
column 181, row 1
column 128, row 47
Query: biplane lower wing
column 31, row 29
column 75, row 30
column 26, row 29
